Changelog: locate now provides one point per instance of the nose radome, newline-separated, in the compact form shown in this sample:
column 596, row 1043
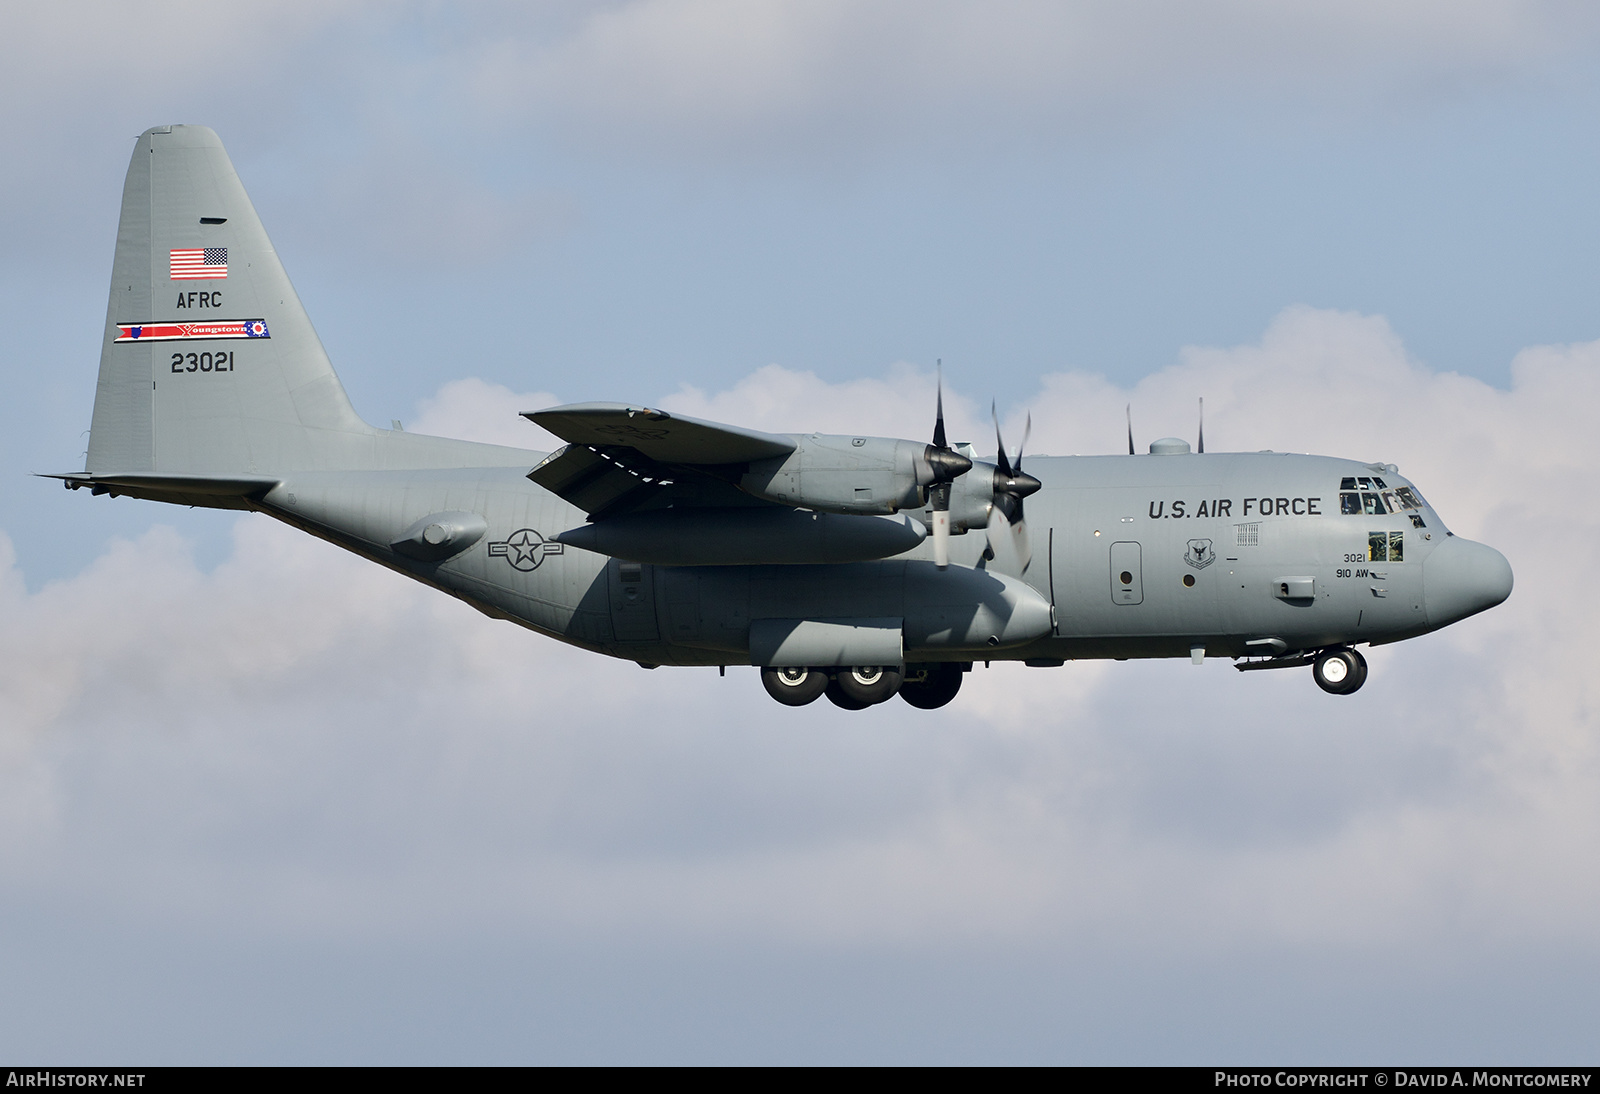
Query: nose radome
column 1462, row 578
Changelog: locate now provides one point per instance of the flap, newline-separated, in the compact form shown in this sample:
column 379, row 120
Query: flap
column 663, row 437
column 595, row 483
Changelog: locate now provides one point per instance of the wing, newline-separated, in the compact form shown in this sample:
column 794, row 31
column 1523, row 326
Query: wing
column 659, row 436
column 624, row 458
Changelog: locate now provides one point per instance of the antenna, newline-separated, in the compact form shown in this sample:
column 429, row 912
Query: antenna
column 1202, row 423
column 1130, row 429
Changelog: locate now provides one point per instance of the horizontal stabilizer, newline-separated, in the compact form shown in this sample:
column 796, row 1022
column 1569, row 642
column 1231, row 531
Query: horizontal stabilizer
column 211, row 491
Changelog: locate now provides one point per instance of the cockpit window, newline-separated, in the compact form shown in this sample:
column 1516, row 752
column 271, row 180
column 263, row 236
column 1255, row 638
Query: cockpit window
column 1386, row 546
column 1369, row 495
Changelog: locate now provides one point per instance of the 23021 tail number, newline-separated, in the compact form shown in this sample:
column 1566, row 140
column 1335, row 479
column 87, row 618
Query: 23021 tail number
column 221, row 361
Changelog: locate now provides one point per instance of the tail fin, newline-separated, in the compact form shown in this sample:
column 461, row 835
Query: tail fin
column 209, row 364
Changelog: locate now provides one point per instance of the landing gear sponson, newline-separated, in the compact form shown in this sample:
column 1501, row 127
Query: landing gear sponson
column 924, row 686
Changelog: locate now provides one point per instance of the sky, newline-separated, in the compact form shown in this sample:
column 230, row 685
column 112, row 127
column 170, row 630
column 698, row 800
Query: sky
column 261, row 802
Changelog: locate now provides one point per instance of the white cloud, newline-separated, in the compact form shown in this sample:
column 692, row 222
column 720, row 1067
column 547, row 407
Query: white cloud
column 474, row 410
column 781, row 400
column 303, row 742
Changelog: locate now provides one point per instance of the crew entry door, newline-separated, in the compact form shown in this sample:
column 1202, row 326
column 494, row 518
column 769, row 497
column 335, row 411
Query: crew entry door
column 1127, row 580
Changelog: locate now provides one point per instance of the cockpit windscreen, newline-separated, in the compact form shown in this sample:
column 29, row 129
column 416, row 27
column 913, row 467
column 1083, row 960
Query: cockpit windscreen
column 1369, row 495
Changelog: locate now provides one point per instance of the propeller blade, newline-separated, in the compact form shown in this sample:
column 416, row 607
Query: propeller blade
column 1008, row 543
column 1000, row 445
column 1130, row 429
column 1202, row 423
column 1027, row 431
column 946, row 464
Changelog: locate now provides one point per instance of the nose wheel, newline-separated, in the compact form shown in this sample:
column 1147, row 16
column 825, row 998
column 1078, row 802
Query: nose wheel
column 1340, row 671
column 932, row 687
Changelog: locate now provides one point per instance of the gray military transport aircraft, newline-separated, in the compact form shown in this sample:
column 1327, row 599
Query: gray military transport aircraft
column 855, row 567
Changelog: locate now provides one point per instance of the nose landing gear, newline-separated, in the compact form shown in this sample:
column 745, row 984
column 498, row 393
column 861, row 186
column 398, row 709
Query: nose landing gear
column 933, row 686
column 1339, row 671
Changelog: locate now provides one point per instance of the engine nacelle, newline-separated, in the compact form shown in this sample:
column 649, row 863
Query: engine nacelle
column 838, row 474
column 971, row 499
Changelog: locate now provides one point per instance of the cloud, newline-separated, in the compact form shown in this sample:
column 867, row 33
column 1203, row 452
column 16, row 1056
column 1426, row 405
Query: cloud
column 300, row 741
column 474, row 410
column 781, row 400
column 299, row 745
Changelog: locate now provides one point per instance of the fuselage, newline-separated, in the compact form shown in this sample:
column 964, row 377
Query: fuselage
column 1232, row 554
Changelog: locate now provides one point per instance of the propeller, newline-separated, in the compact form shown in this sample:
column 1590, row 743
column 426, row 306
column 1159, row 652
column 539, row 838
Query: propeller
column 1130, row 430
column 1202, row 424
column 1008, row 532
column 947, row 466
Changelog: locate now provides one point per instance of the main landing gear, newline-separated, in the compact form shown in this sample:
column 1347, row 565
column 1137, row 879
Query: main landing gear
column 858, row 687
column 1339, row 671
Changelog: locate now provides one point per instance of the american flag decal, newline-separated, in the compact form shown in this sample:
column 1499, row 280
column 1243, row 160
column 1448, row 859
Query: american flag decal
column 198, row 263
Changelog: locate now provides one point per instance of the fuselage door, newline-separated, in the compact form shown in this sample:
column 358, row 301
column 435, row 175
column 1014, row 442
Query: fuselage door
column 633, row 601
column 1127, row 579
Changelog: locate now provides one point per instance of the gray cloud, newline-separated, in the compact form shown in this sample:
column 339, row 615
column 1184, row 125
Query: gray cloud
column 300, row 742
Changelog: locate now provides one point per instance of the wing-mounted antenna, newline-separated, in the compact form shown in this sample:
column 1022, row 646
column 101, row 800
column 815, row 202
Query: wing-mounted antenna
column 1202, row 447
column 1130, row 429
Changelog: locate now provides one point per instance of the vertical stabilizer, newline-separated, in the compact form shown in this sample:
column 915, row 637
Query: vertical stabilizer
column 209, row 364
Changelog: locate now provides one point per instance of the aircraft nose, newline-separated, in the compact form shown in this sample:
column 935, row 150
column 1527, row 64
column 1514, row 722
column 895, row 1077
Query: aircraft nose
column 1462, row 578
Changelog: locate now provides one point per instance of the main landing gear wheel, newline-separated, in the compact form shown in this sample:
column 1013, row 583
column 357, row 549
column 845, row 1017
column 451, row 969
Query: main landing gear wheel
column 1339, row 672
column 932, row 688
column 794, row 687
column 838, row 698
column 866, row 684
